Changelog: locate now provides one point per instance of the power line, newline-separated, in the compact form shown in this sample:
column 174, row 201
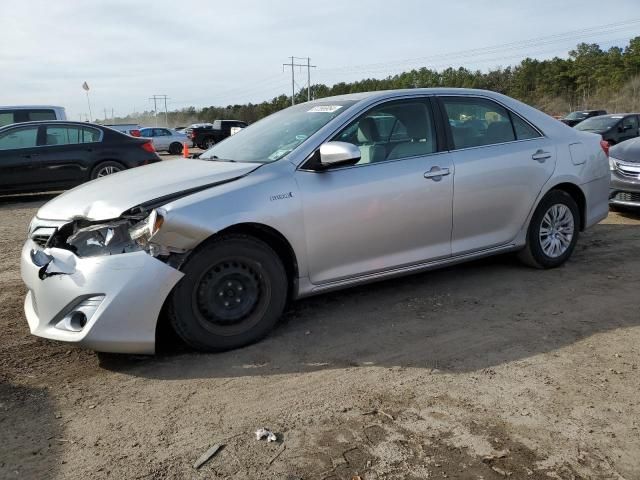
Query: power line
column 532, row 42
column 293, row 76
column 155, row 99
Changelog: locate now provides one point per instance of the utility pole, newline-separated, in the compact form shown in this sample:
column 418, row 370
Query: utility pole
column 155, row 99
column 293, row 64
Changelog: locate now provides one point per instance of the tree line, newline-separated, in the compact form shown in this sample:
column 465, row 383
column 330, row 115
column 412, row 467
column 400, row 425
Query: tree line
column 591, row 77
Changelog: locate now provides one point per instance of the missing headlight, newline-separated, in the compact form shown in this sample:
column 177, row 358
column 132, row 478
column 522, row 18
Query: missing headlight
column 103, row 239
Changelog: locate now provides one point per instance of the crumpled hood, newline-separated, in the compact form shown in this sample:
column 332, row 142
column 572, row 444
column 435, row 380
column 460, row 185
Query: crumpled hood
column 108, row 197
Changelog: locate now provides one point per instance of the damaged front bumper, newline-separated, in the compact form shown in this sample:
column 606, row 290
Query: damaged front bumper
column 107, row 303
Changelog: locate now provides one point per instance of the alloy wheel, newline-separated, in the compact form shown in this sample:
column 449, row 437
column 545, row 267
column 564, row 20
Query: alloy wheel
column 107, row 170
column 556, row 230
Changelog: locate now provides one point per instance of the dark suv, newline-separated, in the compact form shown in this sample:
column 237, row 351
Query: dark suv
column 574, row 118
column 613, row 128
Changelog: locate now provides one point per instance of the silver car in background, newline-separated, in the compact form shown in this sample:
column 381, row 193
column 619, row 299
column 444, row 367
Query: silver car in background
column 165, row 139
column 317, row 197
column 624, row 162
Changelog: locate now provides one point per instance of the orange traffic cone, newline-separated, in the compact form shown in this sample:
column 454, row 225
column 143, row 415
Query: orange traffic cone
column 185, row 150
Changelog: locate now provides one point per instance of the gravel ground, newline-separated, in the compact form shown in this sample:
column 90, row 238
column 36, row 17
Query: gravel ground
column 479, row 371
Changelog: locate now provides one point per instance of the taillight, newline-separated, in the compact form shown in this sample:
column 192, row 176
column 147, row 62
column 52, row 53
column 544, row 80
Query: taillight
column 192, row 135
column 148, row 146
column 134, row 133
column 605, row 147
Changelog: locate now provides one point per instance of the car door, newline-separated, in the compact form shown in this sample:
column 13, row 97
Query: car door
column 501, row 163
column 18, row 151
column 66, row 155
column 629, row 128
column 161, row 138
column 392, row 209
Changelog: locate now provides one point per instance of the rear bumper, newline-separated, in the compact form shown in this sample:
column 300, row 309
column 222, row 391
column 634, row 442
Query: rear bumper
column 597, row 207
column 127, row 289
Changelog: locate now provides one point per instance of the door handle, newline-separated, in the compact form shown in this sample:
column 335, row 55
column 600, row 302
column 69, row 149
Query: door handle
column 540, row 156
column 436, row 173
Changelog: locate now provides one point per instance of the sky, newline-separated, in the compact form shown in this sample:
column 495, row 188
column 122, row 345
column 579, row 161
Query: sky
column 205, row 52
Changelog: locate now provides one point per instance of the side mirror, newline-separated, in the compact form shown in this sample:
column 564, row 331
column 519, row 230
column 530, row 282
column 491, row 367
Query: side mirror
column 338, row 153
column 626, row 127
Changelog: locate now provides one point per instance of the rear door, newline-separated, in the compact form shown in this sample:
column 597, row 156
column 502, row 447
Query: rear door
column 501, row 164
column 66, row 155
column 18, row 151
column 161, row 138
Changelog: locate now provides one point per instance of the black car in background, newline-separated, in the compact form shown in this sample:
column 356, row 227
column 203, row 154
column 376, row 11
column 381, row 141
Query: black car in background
column 56, row 155
column 614, row 128
column 574, row 118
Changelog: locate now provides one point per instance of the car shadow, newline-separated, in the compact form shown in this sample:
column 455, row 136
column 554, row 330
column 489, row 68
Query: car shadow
column 464, row 318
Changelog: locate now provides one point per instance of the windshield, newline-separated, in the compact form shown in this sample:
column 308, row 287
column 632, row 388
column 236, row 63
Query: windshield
column 576, row 116
column 277, row 135
column 598, row 123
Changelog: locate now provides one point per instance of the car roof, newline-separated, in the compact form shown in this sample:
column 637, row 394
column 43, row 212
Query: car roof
column 408, row 91
column 20, row 107
column 55, row 122
column 613, row 115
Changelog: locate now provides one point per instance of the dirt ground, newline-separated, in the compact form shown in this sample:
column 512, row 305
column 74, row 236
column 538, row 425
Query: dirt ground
column 482, row 371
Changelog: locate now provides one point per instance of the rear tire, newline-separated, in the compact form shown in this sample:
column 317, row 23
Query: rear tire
column 106, row 168
column 553, row 231
column 175, row 148
column 233, row 293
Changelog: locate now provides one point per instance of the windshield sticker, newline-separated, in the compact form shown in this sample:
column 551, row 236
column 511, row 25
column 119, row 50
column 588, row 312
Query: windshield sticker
column 325, row 108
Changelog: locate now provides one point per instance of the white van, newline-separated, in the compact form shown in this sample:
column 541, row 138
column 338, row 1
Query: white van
column 29, row 113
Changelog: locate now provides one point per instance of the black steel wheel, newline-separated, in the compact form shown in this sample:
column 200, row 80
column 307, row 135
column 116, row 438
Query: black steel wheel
column 233, row 292
column 175, row 148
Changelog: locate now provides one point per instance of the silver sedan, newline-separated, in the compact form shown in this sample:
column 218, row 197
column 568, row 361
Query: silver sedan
column 317, row 197
column 165, row 139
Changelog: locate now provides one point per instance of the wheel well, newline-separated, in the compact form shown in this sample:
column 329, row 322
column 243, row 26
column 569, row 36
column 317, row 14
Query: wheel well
column 275, row 240
column 578, row 196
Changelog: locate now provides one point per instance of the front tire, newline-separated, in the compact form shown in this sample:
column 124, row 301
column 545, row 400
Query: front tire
column 233, row 293
column 553, row 231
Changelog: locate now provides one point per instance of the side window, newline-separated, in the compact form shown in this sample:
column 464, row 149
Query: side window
column 6, row 118
column 632, row 122
column 159, row 132
column 70, row 135
column 477, row 121
column 41, row 115
column 90, row 135
column 524, row 131
column 392, row 131
column 146, row 132
column 19, row 138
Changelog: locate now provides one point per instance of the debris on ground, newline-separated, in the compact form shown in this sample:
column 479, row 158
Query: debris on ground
column 495, row 456
column 378, row 411
column 207, row 455
column 266, row 433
